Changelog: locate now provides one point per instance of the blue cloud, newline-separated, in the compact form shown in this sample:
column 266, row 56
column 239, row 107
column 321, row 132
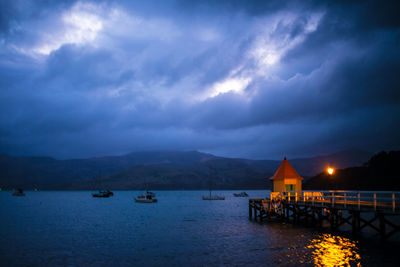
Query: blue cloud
column 255, row 79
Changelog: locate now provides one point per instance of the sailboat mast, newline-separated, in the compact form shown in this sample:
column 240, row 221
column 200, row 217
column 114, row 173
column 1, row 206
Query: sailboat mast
column 100, row 184
column 210, row 182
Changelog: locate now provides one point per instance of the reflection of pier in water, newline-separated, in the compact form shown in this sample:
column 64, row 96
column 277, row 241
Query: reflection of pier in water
column 359, row 209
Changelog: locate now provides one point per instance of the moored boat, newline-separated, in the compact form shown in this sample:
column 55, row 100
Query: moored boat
column 18, row 193
column 242, row 194
column 147, row 198
column 213, row 197
column 103, row 193
column 210, row 196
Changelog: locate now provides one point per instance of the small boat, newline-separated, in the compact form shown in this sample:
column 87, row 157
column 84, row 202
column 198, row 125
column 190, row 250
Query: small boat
column 210, row 196
column 147, row 198
column 18, row 193
column 242, row 194
column 103, row 193
column 213, row 197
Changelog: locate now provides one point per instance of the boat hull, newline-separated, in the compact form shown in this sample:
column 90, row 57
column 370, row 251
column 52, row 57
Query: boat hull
column 214, row 198
column 144, row 200
column 243, row 194
column 100, row 195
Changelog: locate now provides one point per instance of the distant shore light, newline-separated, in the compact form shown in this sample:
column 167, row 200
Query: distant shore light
column 330, row 170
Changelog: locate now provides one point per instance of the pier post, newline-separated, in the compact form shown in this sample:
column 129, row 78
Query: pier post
column 332, row 218
column 313, row 216
column 297, row 215
column 255, row 211
column 287, row 212
column 355, row 223
column 393, row 203
column 250, row 210
column 382, row 225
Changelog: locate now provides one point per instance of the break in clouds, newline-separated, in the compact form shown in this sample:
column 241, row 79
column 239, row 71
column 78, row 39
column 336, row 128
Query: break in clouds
column 255, row 79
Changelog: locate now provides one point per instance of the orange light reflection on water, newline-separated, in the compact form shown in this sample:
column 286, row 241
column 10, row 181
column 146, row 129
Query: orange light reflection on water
column 330, row 250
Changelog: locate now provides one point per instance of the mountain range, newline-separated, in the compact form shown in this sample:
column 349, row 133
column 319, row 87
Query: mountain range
column 159, row 170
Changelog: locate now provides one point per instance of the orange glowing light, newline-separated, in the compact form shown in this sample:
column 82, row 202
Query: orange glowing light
column 330, row 171
column 331, row 250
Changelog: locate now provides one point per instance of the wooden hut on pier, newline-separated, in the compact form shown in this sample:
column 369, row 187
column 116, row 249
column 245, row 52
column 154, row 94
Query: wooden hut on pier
column 336, row 208
column 286, row 178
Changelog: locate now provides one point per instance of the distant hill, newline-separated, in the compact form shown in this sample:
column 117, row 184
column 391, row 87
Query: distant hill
column 49, row 173
column 378, row 173
column 158, row 169
column 220, row 173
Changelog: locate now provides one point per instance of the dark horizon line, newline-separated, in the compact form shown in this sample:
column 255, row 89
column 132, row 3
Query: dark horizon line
column 183, row 151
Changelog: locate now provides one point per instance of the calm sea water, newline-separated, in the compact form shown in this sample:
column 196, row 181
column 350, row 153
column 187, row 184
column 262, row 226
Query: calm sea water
column 70, row 228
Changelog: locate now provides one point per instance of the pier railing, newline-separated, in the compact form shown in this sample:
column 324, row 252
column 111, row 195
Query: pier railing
column 358, row 200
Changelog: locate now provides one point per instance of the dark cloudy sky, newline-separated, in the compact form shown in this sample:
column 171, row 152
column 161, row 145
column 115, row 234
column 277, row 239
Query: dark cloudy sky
column 256, row 79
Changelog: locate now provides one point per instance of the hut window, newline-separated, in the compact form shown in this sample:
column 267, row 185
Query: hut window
column 290, row 187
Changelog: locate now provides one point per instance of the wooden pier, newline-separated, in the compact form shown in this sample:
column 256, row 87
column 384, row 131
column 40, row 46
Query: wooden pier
column 358, row 209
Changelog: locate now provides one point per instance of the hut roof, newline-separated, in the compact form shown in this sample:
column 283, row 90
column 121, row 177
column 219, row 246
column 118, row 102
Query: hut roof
column 285, row 170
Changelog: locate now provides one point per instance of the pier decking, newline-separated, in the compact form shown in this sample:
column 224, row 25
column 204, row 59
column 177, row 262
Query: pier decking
column 359, row 209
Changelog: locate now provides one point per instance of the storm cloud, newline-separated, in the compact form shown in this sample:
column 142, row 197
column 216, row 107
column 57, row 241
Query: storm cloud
column 235, row 78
